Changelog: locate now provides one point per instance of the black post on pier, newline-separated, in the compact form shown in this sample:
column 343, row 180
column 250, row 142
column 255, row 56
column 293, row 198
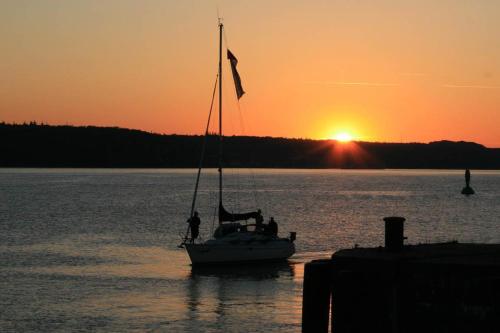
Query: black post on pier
column 316, row 296
column 394, row 233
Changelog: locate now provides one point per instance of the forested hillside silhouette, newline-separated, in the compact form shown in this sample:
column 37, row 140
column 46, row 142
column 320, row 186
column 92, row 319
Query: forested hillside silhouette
column 35, row 145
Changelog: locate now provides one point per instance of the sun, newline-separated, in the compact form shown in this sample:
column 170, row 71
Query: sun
column 343, row 137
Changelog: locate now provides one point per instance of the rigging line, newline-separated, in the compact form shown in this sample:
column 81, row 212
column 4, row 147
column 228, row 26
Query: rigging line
column 225, row 39
column 237, row 99
column 232, row 123
column 242, row 125
column 203, row 147
column 232, row 182
column 214, row 201
column 235, row 173
column 252, row 173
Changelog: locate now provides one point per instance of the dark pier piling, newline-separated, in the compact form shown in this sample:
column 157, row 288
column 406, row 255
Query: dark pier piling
column 317, row 296
column 443, row 287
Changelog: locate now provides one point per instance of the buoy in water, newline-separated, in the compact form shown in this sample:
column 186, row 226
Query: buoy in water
column 467, row 190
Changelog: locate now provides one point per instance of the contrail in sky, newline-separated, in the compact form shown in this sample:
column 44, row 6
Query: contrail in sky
column 365, row 84
column 470, row 86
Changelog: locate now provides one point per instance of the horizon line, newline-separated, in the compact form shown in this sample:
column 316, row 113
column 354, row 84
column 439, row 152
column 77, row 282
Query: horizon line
column 34, row 123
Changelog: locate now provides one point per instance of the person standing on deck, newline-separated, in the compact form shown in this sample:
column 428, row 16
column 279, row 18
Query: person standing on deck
column 259, row 220
column 272, row 227
column 194, row 225
column 467, row 177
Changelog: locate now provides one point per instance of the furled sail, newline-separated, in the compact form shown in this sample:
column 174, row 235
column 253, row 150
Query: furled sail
column 225, row 216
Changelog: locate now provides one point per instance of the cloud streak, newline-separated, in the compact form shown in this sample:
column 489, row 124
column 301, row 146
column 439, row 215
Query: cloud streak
column 471, row 86
column 362, row 84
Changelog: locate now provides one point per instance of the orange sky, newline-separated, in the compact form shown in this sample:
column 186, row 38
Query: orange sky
column 381, row 70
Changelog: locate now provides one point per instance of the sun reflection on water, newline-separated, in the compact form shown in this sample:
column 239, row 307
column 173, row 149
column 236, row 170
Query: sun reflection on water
column 158, row 288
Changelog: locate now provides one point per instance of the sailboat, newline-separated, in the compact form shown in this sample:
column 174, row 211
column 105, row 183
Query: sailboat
column 235, row 240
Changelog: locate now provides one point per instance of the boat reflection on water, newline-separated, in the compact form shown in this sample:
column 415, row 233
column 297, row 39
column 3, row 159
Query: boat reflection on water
column 256, row 296
column 253, row 271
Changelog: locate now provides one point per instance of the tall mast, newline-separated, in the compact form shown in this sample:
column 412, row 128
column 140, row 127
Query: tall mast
column 220, row 114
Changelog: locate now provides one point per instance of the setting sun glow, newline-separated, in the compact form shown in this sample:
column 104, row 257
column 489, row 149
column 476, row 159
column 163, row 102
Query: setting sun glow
column 343, row 137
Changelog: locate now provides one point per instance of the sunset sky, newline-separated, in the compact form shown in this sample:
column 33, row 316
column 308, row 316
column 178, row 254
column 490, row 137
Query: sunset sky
column 392, row 71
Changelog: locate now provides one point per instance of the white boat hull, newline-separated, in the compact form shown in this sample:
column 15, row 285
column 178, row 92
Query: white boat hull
column 232, row 253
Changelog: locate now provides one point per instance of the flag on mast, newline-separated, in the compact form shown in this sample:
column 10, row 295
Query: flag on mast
column 236, row 76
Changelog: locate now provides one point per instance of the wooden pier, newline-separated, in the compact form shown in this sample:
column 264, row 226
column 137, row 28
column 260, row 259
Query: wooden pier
column 443, row 287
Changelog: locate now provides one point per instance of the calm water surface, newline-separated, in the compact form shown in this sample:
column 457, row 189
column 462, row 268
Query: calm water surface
column 96, row 250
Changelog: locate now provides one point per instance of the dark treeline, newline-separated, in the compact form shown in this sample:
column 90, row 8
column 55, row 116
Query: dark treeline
column 33, row 145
